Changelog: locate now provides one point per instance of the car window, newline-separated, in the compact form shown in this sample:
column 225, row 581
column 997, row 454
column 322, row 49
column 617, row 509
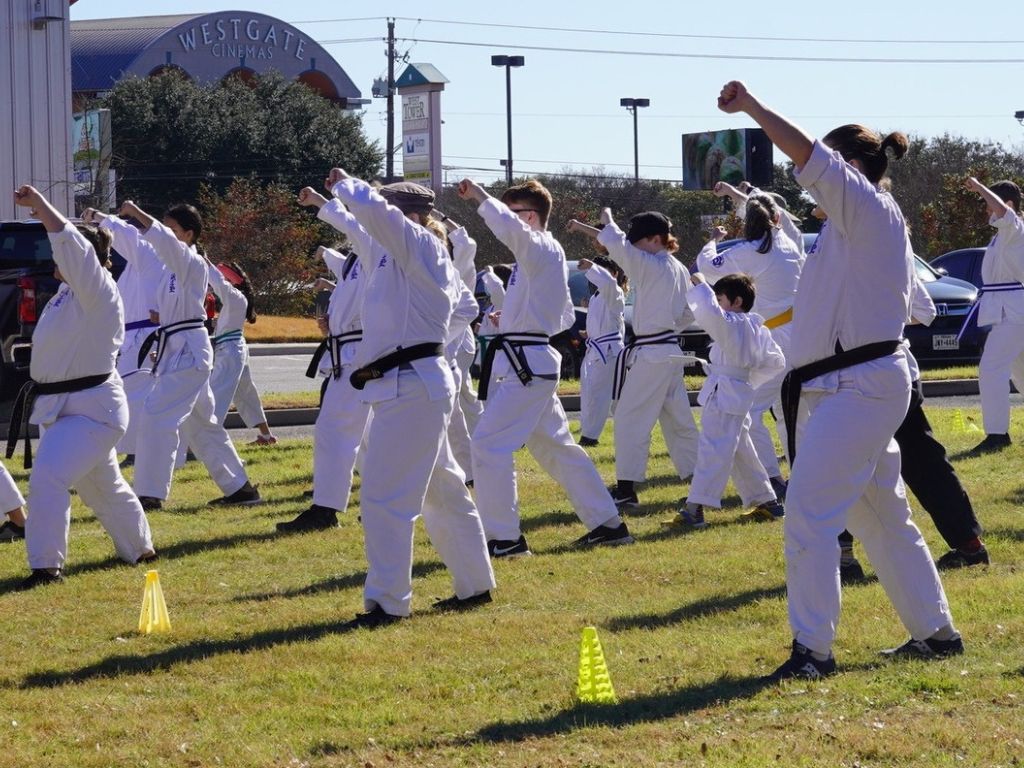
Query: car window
column 24, row 247
column 924, row 273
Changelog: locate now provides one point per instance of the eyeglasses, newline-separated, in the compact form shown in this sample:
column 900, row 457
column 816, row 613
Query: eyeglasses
column 523, row 210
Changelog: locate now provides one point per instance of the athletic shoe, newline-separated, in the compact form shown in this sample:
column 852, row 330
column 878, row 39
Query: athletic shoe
column 150, row 503
column 851, row 573
column 127, row 461
column 41, row 577
column 374, row 619
column 11, row 531
column 316, row 518
column 801, row 665
column 623, row 499
column 308, row 494
column 779, row 486
column 957, row 558
column 262, row 439
column 508, row 548
column 991, row 444
column 147, row 557
column 605, row 534
column 587, row 442
column 927, row 649
column 453, row 603
column 247, row 495
column 687, row 519
column 764, row 513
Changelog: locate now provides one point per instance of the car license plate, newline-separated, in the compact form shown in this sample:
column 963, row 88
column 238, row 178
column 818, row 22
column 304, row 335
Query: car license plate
column 945, row 341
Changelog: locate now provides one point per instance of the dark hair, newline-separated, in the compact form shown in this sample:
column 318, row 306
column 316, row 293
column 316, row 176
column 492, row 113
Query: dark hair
column 188, row 218
column 615, row 269
column 855, row 142
column 100, row 240
column 245, row 288
column 760, row 221
column 533, row 194
column 738, row 285
column 1008, row 192
column 504, row 273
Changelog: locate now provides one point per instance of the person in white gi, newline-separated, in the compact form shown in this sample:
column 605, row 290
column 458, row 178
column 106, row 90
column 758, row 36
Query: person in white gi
column 522, row 388
column 79, row 403
column 181, row 397
column 654, row 389
column 743, row 357
column 343, row 413
column 1001, row 306
column 606, row 327
column 846, row 473
column 460, row 340
column 772, row 253
column 409, row 469
column 13, row 504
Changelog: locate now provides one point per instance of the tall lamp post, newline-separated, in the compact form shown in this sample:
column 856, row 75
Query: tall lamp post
column 508, row 62
column 633, row 105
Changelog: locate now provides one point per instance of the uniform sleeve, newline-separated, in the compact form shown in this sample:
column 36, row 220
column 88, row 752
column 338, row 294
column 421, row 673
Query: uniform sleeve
column 622, row 252
column 334, row 261
column 771, row 360
column 922, row 308
column 525, row 242
column 466, row 310
column 335, row 214
column 843, row 192
column 787, row 223
column 175, row 255
column 742, row 257
column 704, row 305
column 227, row 293
column 129, row 243
column 601, row 277
column 464, row 255
column 494, row 287
column 76, row 259
column 1010, row 228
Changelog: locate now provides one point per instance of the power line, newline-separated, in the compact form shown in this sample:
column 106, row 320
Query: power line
column 711, row 115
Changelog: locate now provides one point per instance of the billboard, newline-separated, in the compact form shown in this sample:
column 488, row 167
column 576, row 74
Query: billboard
column 739, row 154
column 416, row 130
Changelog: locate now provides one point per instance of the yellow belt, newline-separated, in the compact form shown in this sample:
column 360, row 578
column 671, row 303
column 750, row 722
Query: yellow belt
column 780, row 319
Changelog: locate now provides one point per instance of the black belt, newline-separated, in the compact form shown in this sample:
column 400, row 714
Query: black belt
column 796, row 378
column 512, row 345
column 162, row 334
column 332, row 345
column 646, row 340
column 26, row 399
column 400, row 356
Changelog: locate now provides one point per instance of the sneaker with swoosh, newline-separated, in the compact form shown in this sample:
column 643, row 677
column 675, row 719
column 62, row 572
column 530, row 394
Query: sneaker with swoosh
column 605, row 535
column 508, row 548
column 801, row 665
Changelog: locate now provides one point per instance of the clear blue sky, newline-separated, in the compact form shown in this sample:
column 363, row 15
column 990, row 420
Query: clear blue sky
column 566, row 109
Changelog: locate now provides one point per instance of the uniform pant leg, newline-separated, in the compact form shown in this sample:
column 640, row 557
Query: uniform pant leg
column 1003, row 347
column 596, row 379
column 405, row 436
column 336, row 437
column 719, row 437
column 927, row 472
column 639, row 405
column 748, row 473
column 166, row 408
column 228, row 362
column 472, row 407
column 137, row 383
column 211, row 444
column 765, row 397
column 108, row 495
column 677, row 424
column 10, row 496
column 458, row 432
column 247, row 398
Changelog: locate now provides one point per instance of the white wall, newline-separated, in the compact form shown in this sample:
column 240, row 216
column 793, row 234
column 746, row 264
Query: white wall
column 35, row 103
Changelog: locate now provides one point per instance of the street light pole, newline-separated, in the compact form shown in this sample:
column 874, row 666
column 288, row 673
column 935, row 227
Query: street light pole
column 508, row 62
column 632, row 105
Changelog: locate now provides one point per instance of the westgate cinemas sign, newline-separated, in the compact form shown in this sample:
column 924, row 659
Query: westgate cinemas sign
column 240, row 36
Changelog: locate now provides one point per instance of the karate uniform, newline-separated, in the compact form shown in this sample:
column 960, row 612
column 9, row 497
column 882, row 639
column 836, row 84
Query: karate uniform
column 78, row 335
column 10, row 496
column 605, row 329
column 1003, row 309
column 744, row 356
column 409, row 468
column 654, row 390
column 463, row 315
column 181, row 397
column 464, row 258
column 847, row 470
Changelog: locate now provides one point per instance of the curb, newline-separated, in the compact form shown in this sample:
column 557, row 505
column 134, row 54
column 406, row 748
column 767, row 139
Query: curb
column 270, row 350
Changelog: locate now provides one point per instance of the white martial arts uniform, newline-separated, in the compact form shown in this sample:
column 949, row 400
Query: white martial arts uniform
column 10, row 496
column 1002, row 307
column 342, row 420
column 464, row 258
column 463, row 315
column 847, row 469
column 79, row 334
column 181, row 397
column 409, row 469
column 654, row 390
column 537, row 301
column 743, row 357
column 137, row 285
column 776, row 275
column 605, row 330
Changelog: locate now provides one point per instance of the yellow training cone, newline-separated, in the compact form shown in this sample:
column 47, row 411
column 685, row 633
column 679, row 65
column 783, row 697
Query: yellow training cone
column 960, row 424
column 594, row 685
column 153, row 617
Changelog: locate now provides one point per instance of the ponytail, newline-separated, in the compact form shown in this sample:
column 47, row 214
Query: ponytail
column 762, row 214
column 855, row 142
column 245, row 288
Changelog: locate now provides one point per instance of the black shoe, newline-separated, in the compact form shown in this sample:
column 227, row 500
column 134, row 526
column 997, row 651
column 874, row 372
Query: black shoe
column 801, row 665
column 316, row 518
column 11, row 531
column 779, row 486
column 508, row 548
column 469, row 483
column 851, row 573
column 991, row 444
column 41, row 577
column 927, row 649
column 605, row 535
column 453, row 603
column 624, row 499
column 247, row 495
column 127, row 461
column 378, row 617
column 587, row 442
column 307, row 494
column 149, row 503
column 957, row 558
column 147, row 557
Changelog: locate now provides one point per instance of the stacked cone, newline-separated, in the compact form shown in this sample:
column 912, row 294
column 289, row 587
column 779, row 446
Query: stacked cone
column 594, row 685
column 960, row 424
column 153, row 617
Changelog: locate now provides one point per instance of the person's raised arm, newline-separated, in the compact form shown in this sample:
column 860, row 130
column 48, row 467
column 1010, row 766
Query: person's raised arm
column 127, row 239
column 333, row 212
column 507, row 226
column 994, row 203
column 623, row 252
column 583, row 229
column 785, row 135
column 176, row 255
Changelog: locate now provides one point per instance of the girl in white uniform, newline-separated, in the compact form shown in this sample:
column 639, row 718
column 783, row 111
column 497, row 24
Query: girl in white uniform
column 80, row 403
column 846, row 473
column 181, row 397
column 409, row 469
column 522, row 402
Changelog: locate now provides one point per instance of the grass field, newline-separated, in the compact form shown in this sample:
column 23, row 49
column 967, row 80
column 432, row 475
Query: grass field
column 261, row 670
column 270, row 329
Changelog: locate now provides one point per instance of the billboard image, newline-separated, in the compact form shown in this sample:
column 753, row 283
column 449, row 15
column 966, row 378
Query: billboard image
column 734, row 155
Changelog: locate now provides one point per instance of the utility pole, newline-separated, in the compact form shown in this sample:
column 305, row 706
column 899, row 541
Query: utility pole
column 389, row 167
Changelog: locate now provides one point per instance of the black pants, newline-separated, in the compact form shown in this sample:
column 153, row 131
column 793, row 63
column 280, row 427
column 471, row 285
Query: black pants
column 927, row 472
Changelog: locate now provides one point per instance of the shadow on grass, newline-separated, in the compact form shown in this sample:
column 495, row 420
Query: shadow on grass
column 707, row 606
column 333, row 584
column 554, row 517
column 1010, row 534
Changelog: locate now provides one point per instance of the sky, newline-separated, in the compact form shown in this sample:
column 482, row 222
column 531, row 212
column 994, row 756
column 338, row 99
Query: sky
column 960, row 71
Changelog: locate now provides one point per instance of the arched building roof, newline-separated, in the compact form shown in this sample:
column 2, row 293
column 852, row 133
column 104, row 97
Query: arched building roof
column 206, row 47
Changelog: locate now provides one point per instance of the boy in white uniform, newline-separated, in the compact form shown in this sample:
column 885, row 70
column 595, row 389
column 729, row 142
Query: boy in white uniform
column 847, row 471
column 79, row 402
column 1001, row 305
column 408, row 301
column 522, row 397
column 743, row 357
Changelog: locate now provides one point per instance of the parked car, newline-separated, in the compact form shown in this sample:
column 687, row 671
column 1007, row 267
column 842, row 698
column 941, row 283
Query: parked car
column 963, row 264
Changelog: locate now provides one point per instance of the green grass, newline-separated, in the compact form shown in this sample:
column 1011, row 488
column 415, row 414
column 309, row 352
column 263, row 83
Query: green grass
column 259, row 669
